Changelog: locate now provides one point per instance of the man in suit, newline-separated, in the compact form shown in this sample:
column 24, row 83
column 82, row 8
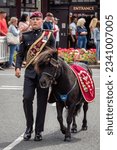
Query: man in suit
column 32, row 43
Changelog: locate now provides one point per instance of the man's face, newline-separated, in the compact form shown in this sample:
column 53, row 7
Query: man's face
column 3, row 15
column 49, row 18
column 36, row 22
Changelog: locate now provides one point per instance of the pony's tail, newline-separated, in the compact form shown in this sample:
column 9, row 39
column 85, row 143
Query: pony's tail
column 77, row 109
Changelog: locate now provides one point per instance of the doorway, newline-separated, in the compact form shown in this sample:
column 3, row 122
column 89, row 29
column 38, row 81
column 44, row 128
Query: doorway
column 62, row 15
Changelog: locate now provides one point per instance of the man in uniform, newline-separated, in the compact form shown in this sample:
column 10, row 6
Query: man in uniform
column 31, row 45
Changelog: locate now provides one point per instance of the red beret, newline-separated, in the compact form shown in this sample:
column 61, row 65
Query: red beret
column 36, row 14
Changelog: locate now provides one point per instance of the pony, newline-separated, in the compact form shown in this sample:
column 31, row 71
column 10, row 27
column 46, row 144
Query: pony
column 57, row 75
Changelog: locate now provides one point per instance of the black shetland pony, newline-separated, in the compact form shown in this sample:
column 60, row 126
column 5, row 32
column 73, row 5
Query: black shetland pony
column 56, row 73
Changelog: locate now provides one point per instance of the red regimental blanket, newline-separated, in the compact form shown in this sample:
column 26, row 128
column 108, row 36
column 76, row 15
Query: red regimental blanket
column 85, row 81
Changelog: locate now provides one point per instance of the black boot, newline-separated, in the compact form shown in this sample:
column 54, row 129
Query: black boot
column 27, row 134
column 38, row 136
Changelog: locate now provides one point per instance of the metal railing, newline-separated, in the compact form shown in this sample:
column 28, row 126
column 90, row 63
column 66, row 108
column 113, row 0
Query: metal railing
column 4, row 51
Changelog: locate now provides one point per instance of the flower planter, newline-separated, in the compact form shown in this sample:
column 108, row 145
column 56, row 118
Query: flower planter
column 81, row 55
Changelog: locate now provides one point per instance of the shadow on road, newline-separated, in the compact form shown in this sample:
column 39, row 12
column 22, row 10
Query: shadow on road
column 53, row 139
column 2, row 145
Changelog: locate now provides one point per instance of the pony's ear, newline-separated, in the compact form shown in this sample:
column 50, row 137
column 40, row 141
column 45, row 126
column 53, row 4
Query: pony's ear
column 52, row 51
column 54, row 62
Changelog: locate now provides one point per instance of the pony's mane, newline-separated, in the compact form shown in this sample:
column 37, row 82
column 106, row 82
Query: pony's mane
column 46, row 54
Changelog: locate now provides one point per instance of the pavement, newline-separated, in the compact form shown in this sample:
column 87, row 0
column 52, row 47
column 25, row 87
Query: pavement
column 97, row 66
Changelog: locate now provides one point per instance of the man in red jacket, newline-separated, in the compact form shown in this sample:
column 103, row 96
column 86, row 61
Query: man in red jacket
column 3, row 24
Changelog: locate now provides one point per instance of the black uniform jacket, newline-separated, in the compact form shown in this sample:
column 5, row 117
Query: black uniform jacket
column 28, row 38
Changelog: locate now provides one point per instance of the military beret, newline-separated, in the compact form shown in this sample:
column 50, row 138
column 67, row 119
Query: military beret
column 36, row 14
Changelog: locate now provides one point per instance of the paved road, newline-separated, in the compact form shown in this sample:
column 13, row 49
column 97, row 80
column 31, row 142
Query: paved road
column 12, row 122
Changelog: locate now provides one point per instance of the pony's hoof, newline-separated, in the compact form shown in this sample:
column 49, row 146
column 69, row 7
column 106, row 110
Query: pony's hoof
column 64, row 130
column 67, row 139
column 74, row 130
column 84, row 128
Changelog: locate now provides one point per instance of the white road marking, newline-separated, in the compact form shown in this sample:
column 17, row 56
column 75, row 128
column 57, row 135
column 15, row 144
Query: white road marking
column 4, row 74
column 14, row 143
column 7, row 87
column 11, row 86
column 17, row 141
column 8, row 74
column 54, row 104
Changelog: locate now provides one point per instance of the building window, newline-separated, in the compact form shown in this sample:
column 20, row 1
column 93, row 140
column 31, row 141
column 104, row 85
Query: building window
column 93, row 0
column 3, row 3
column 7, row 2
column 61, row 1
column 67, row 1
column 58, row 1
column 80, row 0
column 83, row 0
column 29, row 3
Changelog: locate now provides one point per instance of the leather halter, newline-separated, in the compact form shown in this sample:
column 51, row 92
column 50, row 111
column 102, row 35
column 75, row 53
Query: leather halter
column 63, row 97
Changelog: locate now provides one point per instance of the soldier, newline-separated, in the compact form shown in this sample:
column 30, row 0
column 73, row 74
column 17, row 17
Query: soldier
column 31, row 45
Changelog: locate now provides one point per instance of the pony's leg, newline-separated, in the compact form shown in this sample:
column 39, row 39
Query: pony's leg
column 85, row 108
column 74, row 125
column 59, row 107
column 71, row 110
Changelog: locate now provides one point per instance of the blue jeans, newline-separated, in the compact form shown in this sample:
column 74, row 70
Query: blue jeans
column 12, row 50
column 98, row 50
column 82, row 41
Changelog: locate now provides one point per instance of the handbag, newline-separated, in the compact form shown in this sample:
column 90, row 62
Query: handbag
column 11, row 39
column 91, row 43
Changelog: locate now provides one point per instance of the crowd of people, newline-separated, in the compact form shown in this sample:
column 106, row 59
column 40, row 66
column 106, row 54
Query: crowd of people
column 84, row 35
column 80, row 35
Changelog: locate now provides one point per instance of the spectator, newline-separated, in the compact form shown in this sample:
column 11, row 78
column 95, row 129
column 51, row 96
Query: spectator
column 97, row 40
column 24, row 24
column 3, row 24
column 92, row 26
column 13, row 29
column 82, row 32
column 48, row 22
column 56, row 32
column 72, row 32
